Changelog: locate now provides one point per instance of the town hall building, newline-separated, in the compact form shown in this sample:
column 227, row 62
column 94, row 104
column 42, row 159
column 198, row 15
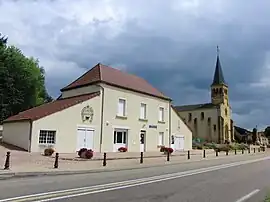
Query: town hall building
column 212, row 121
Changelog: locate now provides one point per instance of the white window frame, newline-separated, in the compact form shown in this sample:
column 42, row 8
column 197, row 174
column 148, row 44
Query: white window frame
column 124, row 107
column 161, row 117
column 162, row 140
column 124, row 139
column 45, row 137
column 143, row 107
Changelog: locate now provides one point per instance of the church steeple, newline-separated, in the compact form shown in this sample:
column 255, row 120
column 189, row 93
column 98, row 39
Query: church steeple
column 219, row 88
column 218, row 76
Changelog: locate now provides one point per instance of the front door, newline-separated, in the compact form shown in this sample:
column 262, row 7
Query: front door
column 179, row 143
column 85, row 138
column 142, row 141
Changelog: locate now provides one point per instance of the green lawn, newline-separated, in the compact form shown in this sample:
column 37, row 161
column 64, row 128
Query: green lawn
column 267, row 198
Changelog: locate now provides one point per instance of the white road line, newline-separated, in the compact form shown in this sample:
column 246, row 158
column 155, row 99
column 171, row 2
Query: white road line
column 68, row 193
column 244, row 198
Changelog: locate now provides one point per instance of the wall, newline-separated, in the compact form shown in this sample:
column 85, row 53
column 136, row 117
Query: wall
column 227, row 119
column 80, row 91
column 203, row 130
column 17, row 133
column 134, row 100
column 178, row 128
column 65, row 123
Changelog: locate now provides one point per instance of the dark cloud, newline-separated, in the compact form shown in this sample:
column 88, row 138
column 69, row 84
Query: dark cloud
column 171, row 44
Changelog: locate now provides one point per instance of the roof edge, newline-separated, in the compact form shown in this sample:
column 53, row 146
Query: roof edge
column 181, row 118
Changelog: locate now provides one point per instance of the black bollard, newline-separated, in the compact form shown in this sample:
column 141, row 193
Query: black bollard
column 204, row 153
column 141, row 159
column 104, row 159
column 216, row 152
column 259, row 150
column 188, row 155
column 235, row 151
column 254, row 150
column 168, row 156
column 242, row 151
column 249, row 150
column 7, row 163
column 227, row 152
column 56, row 160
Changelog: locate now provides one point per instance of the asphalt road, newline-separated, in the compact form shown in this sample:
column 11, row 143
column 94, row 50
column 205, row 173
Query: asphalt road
column 232, row 179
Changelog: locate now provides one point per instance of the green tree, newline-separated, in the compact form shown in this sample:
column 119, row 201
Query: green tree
column 22, row 81
column 267, row 131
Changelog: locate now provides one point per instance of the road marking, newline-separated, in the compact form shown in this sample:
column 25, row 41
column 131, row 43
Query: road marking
column 248, row 196
column 68, row 193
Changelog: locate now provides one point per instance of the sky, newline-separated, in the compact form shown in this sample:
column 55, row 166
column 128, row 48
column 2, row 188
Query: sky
column 172, row 44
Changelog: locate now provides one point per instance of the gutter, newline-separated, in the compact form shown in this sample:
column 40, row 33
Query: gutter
column 30, row 136
column 102, row 118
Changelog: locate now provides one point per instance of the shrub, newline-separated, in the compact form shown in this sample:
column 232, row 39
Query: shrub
column 197, row 145
column 82, row 150
column 88, row 154
column 168, row 150
column 162, row 148
column 122, row 149
column 210, row 146
column 48, row 151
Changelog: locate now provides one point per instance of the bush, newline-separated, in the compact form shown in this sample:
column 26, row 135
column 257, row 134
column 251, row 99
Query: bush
column 122, row 149
column 162, row 148
column 82, row 150
column 168, row 150
column 196, row 145
column 222, row 147
column 89, row 154
column 210, row 146
column 48, row 151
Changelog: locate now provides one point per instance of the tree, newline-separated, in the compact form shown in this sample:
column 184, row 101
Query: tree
column 254, row 135
column 22, row 81
column 267, row 131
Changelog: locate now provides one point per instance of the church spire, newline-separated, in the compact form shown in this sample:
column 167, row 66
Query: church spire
column 218, row 76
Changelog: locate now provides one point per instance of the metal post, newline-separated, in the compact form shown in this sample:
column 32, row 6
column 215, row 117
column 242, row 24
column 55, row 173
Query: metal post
column 235, row 151
column 227, row 152
column 242, row 151
column 249, row 150
column 254, row 150
column 141, row 159
column 56, row 160
column 259, row 150
column 188, row 154
column 204, row 153
column 168, row 156
column 216, row 152
column 7, row 163
column 104, row 159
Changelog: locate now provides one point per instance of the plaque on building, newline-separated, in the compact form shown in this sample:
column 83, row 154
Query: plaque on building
column 87, row 114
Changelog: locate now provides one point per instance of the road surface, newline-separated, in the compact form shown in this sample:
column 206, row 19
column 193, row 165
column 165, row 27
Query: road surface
column 232, row 179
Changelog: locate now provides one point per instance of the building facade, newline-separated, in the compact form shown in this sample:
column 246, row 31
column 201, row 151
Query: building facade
column 212, row 121
column 103, row 110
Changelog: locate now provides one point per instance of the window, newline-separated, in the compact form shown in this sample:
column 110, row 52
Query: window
column 202, row 115
column 47, row 137
column 215, row 127
column 143, row 111
column 120, row 137
column 172, row 140
column 189, row 117
column 121, row 107
column 161, row 138
column 209, row 121
column 195, row 121
column 226, row 112
column 161, row 114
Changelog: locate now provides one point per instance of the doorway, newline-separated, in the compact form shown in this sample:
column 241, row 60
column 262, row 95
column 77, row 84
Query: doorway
column 142, row 141
column 179, row 143
column 85, row 138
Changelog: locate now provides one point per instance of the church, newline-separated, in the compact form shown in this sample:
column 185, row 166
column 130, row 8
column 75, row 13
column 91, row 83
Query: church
column 211, row 122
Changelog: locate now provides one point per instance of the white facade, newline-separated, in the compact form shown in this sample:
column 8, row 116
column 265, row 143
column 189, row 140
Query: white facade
column 118, row 118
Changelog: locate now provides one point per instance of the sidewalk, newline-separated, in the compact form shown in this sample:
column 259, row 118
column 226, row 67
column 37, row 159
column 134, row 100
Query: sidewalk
column 45, row 167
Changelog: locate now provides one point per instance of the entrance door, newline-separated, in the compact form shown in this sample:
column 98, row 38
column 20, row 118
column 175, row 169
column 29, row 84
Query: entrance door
column 179, row 143
column 85, row 138
column 120, row 139
column 142, row 141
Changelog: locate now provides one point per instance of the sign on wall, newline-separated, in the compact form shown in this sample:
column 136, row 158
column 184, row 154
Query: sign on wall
column 87, row 114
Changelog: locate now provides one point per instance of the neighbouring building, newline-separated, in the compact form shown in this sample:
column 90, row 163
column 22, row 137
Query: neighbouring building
column 103, row 110
column 211, row 121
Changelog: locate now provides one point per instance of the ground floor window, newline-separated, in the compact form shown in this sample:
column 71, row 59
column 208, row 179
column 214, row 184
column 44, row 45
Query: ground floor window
column 120, row 137
column 47, row 137
column 161, row 138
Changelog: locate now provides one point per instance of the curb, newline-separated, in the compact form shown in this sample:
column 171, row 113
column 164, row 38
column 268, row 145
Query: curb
column 12, row 175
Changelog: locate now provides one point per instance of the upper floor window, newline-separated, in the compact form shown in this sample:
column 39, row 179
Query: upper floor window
column 215, row 127
column 47, row 137
column 143, row 111
column 195, row 121
column 121, row 107
column 209, row 120
column 161, row 114
column 189, row 116
column 202, row 115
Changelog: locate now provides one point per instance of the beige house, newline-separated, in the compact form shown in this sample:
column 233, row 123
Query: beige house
column 104, row 109
column 211, row 121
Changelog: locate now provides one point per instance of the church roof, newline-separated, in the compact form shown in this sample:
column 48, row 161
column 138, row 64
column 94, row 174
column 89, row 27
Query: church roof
column 114, row 77
column 195, row 107
column 218, row 76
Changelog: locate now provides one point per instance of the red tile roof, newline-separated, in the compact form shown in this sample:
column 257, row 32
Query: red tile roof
column 50, row 108
column 111, row 76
